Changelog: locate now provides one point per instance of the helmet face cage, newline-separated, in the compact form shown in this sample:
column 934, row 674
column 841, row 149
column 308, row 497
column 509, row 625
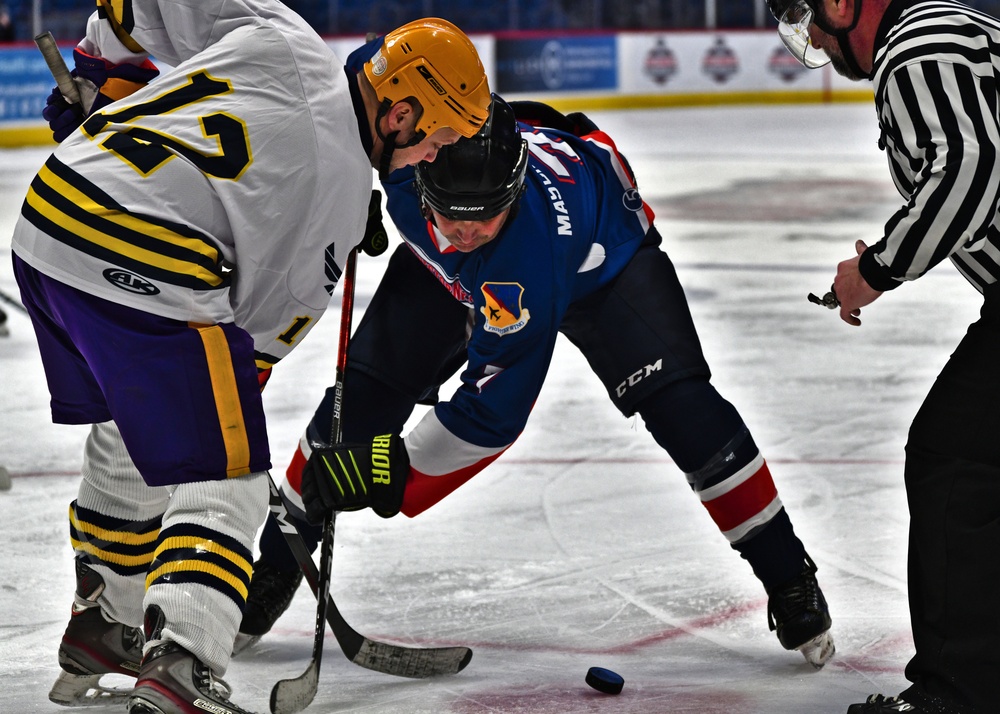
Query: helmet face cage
column 793, row 29
column 434, row 62
column 476, row 179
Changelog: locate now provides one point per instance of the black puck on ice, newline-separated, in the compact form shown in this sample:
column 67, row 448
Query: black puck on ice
column 604, row 680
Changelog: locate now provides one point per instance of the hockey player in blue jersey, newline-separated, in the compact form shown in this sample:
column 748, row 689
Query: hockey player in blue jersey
column 522, row 232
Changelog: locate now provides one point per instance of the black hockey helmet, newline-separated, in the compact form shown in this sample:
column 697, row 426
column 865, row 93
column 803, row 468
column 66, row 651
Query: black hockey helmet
column 477, row 178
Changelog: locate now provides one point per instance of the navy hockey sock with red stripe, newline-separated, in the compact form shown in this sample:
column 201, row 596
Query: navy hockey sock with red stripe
column 707, row 439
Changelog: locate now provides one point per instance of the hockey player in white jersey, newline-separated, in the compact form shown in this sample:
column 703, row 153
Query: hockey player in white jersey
column 183, row 238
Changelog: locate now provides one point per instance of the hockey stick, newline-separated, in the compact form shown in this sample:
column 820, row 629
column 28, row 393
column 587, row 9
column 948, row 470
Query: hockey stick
column 292, row 695
column 57, row 66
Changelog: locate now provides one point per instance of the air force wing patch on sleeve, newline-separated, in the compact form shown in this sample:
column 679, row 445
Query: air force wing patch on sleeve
column 503, row 310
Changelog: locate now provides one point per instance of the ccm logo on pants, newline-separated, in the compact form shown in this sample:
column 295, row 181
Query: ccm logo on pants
column 638, row 376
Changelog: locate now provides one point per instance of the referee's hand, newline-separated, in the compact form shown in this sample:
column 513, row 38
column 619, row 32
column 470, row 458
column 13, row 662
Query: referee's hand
column 852, row 290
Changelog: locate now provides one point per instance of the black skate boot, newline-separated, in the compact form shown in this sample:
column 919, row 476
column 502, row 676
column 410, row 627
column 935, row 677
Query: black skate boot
column 270, row 594
column 174, row 681
column 798, row 611
column 918, row 703
column 93, row 646
column 878, row 704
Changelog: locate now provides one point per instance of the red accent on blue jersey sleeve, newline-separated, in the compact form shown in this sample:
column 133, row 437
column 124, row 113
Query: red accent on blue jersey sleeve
column 423, row 491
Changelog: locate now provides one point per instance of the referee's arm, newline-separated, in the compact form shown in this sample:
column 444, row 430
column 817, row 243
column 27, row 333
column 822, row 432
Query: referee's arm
column 944, row 156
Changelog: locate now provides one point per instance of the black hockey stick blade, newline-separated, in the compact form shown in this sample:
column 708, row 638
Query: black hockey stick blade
column 413, row 662
column 397, row 660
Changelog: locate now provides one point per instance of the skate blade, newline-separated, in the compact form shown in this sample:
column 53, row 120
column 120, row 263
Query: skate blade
column 244, row 642
column 85, row 690
column 818, row 650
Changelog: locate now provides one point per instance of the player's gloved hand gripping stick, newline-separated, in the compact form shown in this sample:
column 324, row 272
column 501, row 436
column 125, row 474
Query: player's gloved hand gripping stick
column 376, row 240
column 349, row 477
column 92, row 85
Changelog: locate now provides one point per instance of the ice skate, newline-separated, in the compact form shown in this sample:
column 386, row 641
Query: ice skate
column 92, row 647
column 798, row 611
column 270, row 594
column 879, row 704
column 913, row 704
column 174, row 681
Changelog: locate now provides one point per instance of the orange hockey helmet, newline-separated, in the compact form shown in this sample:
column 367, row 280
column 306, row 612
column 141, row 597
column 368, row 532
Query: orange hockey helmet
column 434, row 61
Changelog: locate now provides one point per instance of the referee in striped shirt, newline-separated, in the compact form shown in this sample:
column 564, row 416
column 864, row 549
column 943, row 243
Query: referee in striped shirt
column 935, row 66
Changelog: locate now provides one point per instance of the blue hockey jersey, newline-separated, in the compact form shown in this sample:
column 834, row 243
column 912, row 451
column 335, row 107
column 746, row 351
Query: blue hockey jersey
column 580, row 220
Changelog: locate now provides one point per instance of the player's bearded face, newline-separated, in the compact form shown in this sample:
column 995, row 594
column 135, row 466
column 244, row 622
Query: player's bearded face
column 466, row 236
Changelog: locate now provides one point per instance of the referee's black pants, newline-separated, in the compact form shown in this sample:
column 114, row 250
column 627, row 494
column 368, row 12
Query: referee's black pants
column 952, row 479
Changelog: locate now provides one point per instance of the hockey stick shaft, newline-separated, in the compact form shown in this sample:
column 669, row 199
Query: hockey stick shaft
column 292, row 695
column 336, row 431
column 57, row 66
column 323, row 598
column 391, row 659
column 336, row 436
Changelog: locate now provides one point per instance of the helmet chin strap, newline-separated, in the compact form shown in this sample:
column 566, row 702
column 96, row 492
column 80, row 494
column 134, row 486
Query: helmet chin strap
column 388, row 149
column 389, row 144
column 844, row 41
column 849, row 59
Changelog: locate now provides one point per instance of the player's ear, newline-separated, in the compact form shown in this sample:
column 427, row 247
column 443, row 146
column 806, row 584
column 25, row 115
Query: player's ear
column 840, row 9
column 402, row 116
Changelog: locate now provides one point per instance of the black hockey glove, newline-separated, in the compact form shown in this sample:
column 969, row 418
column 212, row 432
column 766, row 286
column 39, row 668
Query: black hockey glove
column 375, row 241
column 349, row 477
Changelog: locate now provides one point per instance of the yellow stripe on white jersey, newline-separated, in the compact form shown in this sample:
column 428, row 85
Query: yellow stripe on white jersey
column 74, row 211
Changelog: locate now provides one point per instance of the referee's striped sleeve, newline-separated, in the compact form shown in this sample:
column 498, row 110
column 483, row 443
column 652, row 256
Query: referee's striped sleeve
column 937, row 98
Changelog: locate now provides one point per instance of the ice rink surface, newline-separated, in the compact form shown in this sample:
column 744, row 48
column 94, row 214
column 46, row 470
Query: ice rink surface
column 583, row 544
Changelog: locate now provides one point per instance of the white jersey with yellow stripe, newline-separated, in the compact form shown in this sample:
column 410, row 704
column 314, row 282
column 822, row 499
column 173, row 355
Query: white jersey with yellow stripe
column 229, row 190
